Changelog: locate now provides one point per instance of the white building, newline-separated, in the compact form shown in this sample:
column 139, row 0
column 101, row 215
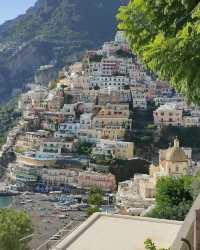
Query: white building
column 109, row 48
column 139, row 98
column 86, row 121
column 117, row 82
column 120, row 37
column 191, row 121
column 117, row 149
column 67, row 130
column 68, row 109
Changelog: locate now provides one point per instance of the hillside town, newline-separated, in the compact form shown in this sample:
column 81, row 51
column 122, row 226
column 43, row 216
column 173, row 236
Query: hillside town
column 73, row 132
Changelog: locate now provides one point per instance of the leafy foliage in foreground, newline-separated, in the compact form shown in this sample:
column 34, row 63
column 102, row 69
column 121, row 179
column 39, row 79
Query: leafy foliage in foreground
column 173, row 198
column 14, row 227
column 149, row 245
column 165, row 35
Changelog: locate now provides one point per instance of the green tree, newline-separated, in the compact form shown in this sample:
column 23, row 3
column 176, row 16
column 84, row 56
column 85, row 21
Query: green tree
column 95, row 197
column 91, row 210
column 14, row 227
column 173, row 198
column 95, row 200
column 85, row 148
column 165, row 36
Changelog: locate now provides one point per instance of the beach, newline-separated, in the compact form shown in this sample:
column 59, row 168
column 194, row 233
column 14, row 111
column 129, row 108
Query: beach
column 48, row 219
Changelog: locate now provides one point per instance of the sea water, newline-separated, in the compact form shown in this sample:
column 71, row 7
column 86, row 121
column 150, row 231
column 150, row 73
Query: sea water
column 5, row 201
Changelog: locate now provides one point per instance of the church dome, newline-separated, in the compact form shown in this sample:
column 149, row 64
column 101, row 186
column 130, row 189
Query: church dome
column 176, row 155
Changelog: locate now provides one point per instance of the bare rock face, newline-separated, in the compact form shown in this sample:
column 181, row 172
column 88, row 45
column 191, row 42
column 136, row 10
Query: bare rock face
column 52, row 32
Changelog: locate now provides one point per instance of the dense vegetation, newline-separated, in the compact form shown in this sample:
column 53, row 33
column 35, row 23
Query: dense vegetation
column 8, row 118
column 174, row 197
column 85, row 148
column 165, row 35
column 15, row 226
column 95, row 200
column 126, row 169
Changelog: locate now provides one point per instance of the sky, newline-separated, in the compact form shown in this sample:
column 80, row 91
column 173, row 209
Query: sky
column 10, row 9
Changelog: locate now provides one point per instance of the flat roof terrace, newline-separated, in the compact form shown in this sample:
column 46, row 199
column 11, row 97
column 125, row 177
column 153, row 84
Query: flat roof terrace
column 118, row 232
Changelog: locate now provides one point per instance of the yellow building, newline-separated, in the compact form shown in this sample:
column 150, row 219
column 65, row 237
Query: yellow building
column 113, row 110
column 112, row 116
column 112, row 122
column 174, row 161
column 102, row 133
column 138, row 194
column 112, row 134
column 30, row 140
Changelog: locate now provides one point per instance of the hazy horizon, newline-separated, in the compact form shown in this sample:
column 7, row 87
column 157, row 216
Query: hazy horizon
column 10, row 9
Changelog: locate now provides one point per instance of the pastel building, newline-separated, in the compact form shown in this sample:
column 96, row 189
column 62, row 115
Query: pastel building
column 112, row 123
column 117, row 82
column 139, row 99
column 90, row 179
column 138, row 193
column 31, row 140
column 113, row 110
column 67, row 130
column 110, row 66
column 36, row 160
column 54, row 176
column 168, row 114
column 114, row 97
column 86, row 121
column 112, row 116
column 191, row 121
column 118, row 149
column 56, row 146
column 93, row 135
column 175, row 161
column 109, row 48
column 68, row 110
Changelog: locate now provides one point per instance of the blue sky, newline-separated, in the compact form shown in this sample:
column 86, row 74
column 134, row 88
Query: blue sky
column 10, row 9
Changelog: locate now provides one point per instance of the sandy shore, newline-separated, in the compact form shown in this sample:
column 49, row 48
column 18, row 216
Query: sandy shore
column 46, row 218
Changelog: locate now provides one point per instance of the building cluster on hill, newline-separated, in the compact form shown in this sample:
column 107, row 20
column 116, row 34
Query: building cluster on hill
column 78, row 124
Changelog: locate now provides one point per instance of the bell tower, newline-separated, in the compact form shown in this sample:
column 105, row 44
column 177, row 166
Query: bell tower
column 176, row 143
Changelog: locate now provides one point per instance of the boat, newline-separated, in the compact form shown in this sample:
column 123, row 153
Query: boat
column 8, row 191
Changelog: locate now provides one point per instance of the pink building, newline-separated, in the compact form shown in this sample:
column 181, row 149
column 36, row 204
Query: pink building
column 110, row 66
column 90, row 179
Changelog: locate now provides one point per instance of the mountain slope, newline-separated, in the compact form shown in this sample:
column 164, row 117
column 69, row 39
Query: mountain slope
column 55, row 31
